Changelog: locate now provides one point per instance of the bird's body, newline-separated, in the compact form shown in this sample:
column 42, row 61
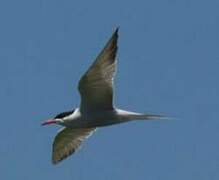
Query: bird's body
column 102, row 118
column 93, row 119
column 96, row 109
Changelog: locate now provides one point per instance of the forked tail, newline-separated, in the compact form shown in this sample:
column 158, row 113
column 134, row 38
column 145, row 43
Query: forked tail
column 147, row 116
column 134, row 116
column 128, row 115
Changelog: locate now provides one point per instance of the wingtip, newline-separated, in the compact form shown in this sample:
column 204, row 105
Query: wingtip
column 116, row 30
column 54, row 161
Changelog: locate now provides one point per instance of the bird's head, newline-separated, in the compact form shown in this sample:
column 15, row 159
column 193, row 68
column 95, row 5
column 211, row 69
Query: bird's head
column 58, row 119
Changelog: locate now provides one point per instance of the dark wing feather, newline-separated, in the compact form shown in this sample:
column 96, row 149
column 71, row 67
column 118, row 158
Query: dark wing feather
column 96, row 85
column 67, row 141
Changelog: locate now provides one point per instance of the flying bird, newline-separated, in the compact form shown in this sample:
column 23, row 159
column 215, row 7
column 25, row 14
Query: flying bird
column 96, row 109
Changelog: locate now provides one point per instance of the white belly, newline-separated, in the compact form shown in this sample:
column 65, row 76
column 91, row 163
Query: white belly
column 95, row 119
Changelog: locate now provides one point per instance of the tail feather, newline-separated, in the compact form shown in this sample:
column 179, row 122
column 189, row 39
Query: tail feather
column 148, row 116
column 128, row 115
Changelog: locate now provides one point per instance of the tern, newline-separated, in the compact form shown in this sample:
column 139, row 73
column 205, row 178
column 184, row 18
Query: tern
column 96, row 109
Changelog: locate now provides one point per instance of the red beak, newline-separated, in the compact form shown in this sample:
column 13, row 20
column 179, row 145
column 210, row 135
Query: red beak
column 48, row 122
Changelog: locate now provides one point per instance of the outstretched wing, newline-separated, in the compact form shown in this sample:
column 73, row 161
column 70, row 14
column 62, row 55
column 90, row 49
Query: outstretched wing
column 96, row 85
column 67, row 141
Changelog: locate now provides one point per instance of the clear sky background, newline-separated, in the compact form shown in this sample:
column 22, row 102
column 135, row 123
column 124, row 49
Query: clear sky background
column 168, row 64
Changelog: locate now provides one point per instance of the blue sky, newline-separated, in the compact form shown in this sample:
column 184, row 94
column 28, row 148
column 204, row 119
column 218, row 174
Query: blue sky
column 168, row 64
